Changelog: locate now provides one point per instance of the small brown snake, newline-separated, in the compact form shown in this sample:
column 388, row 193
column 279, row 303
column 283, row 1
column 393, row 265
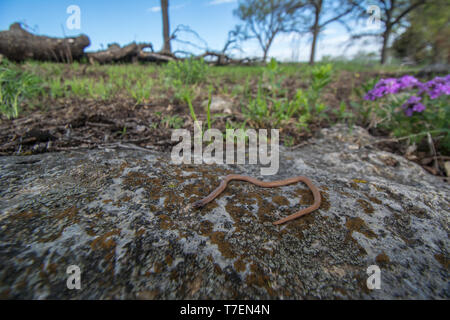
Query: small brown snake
column 228, row 178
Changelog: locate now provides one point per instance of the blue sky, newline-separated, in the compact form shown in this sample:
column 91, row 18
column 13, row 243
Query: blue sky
column 107, row 21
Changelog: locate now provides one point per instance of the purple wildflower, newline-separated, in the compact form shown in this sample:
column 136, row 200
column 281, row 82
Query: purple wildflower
column 391, row 86
column 408, row 81
column 413, row 105
column 436, row 87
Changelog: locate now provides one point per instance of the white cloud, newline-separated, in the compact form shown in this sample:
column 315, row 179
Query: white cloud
column 218, row 2
column 154, row 9
column 175, row 7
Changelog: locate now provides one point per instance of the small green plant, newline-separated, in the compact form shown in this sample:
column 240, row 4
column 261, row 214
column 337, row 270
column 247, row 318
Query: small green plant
column 288, row 141
column 56, row 87
column 189, row 71
column 239, row 133
column 140, row 91
column 187, row 98
column 343, row 115
column 174, row 122
column 257, row 108
column 320, row 77
column 273, row 105
column 16, row 87
column 208, row 108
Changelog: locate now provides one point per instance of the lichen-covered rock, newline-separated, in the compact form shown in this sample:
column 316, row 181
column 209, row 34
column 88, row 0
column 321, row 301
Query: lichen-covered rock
column 124, row 218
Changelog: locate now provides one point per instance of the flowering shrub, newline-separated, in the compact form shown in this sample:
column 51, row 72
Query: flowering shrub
column 408, row 106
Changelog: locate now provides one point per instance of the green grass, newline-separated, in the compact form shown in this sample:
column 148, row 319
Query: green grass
column 275, row 95
column 16, row 88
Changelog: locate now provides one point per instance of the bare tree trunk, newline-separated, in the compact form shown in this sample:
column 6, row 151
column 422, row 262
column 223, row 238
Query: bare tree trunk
column 315, row 32
column 266, row 51
column 313, row 46
column 166, row 28
column 386, row 35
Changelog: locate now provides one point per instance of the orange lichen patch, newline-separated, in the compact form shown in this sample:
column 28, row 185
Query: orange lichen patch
column 125, row 199
column 183, row 234
column 280, row 200
column 218, row 238
column 357, row 224
column 354, row 186
column 123, row 166
column 306, row 195
column 90, row 231
column 52, row 268
column 389, row 161
column 5, row 294
column 107, row 201
column 104, row 242
column 373, row 199
column 307, row 198
column 147, row 295
column 418, row 212
column 173, row 275
column 166, row 223
column 140, row 232
column 236, row 212
column 443, row 260
column 382, row 259
column 367, row 207
column 297, row 226
column 341, row 291
column 345, row 194
column 241, row 197
column 169, row 260
column 252, row 197
column 258, row 278
column 172, row 200
column 265, row 211
column 217, row 269
column 359, row 181
column 325, row 203
column 28, row 214
column 72, row 218
column 68, row 213
column 362, row 283
column 195, row 189
column 158, row 267
column 239, row 265
column 138, row 179
column 206, row 227
column 53, row 236
column 195, row 285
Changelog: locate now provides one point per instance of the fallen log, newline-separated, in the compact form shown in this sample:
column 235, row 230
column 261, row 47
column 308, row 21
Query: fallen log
column 223, row 59
column 17, row 44
column 130, row 53
column 155, row 57
column 114, row 53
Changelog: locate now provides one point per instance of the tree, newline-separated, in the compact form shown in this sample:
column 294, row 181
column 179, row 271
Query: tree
column 166, row 29
column 265, row 19
column 334, row 10
column 427, row 34
column 392, row 14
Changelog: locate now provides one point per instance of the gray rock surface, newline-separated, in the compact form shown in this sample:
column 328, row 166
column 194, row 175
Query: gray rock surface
column 219, row 104
column 123, row 217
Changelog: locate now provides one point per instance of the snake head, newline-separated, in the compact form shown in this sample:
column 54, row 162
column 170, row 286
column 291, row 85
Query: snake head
column 197, row 204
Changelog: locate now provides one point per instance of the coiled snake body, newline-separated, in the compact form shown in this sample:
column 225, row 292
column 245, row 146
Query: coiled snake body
column 271, row 184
